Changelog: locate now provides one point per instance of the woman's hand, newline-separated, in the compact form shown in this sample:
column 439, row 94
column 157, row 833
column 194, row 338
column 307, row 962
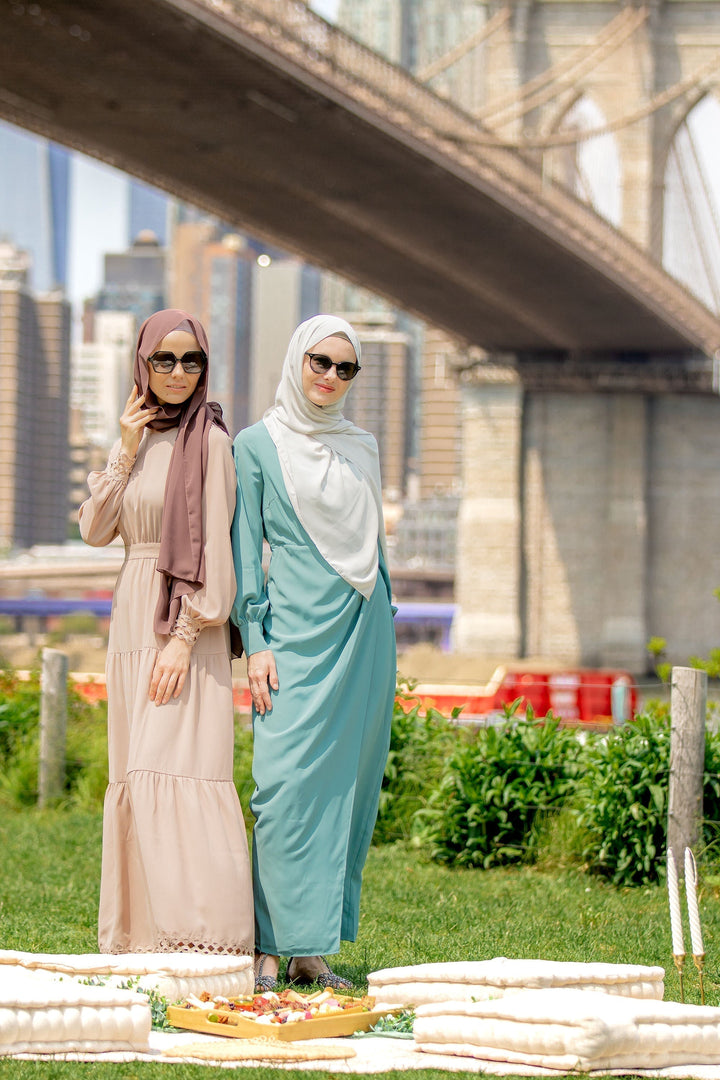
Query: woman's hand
column 132, row 422
column 262, row 675
column 170, row 671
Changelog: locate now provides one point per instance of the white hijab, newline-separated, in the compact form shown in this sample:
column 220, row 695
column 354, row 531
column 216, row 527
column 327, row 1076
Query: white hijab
column 331, row 468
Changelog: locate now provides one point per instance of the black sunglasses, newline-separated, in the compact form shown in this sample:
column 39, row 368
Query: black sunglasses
column 192, row 362
column 320, row 364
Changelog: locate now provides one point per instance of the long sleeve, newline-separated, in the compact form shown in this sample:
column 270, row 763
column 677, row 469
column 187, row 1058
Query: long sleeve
column 211, row 605
column 251, row 601
column 99, row 516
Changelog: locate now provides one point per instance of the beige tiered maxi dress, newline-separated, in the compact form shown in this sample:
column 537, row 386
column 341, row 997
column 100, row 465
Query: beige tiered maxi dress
column 175, row 868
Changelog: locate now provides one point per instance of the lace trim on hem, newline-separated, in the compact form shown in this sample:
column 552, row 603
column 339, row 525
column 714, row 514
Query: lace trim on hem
column 120, row 467
column 168, row 945
column 186, row 628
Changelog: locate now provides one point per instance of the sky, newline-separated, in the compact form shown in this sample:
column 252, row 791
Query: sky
column 99, row 211
column 327, row 8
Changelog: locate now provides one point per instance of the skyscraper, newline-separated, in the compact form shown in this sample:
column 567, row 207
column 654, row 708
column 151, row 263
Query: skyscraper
column 286, row 291
column 211, row 276
column 379, row 400
column 149, row 209
column 34, row 407
column 102, row 376
column 135, row 279
column 34, row 203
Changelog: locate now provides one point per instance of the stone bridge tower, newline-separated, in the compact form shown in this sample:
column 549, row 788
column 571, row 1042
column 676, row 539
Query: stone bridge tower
column 591, row 486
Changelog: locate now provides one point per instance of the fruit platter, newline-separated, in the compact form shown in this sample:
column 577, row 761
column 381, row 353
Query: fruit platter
column 285, row 1015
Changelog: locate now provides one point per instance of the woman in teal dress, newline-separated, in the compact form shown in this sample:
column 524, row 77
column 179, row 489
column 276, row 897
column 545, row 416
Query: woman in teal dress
column 320, row 643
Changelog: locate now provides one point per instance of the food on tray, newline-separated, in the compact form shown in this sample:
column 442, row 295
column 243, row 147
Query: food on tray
column 286, row 1006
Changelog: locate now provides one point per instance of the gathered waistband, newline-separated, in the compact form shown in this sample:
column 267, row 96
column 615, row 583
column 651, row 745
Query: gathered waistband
column 142, row 551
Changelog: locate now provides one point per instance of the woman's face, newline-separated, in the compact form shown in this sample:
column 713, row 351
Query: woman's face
column 327, row 388
column 177, row 385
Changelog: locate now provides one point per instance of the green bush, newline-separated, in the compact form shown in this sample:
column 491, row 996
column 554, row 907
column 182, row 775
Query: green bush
column 495, row 785
column 76, row 623
column 621, row 800
column 711, row 792
column 19, row 713
column 86, row 745
column 419, row 744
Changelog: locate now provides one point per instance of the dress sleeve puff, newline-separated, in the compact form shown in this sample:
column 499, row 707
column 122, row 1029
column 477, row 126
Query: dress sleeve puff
column 251, row 602
column 211, row 605
column 99, row 516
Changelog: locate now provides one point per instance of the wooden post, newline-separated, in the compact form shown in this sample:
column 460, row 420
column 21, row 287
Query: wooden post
column 688, row 706
column 53, row 723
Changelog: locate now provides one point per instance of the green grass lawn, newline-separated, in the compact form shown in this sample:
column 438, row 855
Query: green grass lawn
column 413, row 912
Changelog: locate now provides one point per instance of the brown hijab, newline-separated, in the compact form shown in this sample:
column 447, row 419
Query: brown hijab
column 181, row 560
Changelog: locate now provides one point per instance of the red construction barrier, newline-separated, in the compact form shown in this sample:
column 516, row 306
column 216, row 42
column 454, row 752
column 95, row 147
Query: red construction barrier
column 577, row 696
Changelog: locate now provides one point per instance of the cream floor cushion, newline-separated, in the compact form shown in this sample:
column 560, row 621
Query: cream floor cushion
column 572, row 1029
column 475, row 980
column 42, row 1016
column 172, row 975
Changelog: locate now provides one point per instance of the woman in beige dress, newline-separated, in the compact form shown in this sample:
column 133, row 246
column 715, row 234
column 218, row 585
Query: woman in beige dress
column 175, row 869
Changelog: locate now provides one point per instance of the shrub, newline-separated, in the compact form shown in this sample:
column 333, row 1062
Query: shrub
column 76, row 623
column 419, row 745
column 711, row 791
column 19, row 713
column 493, row 788
column 622, row 800
column 86, row 745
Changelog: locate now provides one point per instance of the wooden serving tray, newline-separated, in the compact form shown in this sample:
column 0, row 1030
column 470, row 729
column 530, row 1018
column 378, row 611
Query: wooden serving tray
column 238, row 1026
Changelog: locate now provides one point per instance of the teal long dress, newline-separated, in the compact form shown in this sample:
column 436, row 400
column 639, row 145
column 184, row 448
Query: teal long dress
column 320, row 754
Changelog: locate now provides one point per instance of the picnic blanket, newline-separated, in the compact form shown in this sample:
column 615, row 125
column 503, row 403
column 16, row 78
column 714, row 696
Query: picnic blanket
column 52, row 1015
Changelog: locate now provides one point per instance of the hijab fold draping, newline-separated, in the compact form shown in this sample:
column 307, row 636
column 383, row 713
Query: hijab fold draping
column 181, row 559
column 330, row 466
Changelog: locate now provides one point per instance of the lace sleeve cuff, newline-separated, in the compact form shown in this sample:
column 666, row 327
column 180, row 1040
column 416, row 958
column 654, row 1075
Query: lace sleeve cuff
column 120, row 467
column 186, row 628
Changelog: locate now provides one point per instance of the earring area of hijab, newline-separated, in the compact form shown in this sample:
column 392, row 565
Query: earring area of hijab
column 321, row 364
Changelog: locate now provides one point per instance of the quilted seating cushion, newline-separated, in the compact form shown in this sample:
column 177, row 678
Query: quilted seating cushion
column 39, row 1015
column 172, row 975
column 572, row 1030
column 477, row 980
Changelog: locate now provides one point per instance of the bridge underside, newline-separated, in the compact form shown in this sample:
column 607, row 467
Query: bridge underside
column 196, row 106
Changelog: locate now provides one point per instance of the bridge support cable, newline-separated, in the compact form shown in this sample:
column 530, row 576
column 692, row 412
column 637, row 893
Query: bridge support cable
column 700, row 230
column 696, row 223
column 464, row 47
column 544, row 87
column 708, row 73
column 584, row 187
column 709, row 202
